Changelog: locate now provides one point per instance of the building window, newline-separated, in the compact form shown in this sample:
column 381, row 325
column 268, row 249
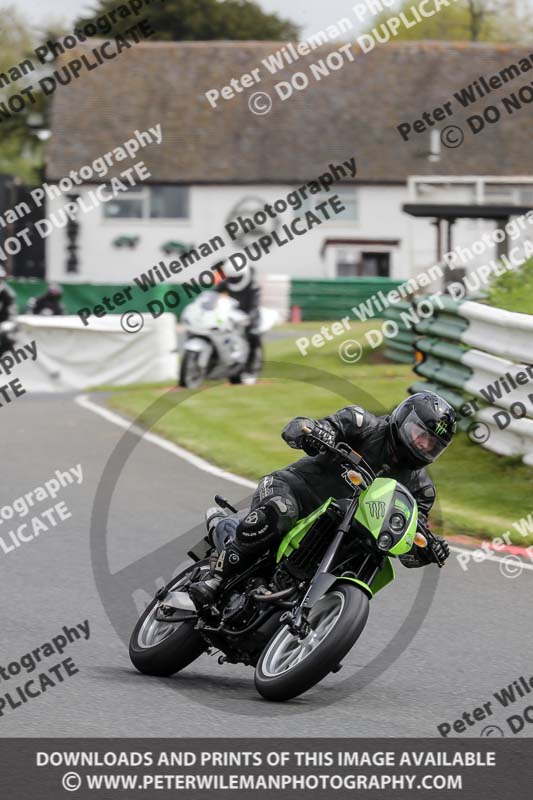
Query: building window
column 126, row 205
column 500, row 194
column 375, row 265
column 526, row 197
column 363, row 265
column 150, row 202
column 347, row 264
column 347, row 196
column 169, row 202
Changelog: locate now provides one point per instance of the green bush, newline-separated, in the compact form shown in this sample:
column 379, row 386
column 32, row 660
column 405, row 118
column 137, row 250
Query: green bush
column 513, row 291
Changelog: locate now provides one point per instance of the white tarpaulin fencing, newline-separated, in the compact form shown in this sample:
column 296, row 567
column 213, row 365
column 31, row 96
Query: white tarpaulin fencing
column 73, row 356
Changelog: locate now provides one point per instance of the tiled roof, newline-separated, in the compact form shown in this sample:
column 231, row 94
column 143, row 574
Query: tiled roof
column 355, row 111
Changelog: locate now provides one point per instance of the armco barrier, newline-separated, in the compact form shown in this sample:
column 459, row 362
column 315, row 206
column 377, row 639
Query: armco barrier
column 400, row 348
column 334, row 299
column 472, row 351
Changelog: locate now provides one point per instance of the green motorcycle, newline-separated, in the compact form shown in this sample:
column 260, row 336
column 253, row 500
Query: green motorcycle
column 297, row 612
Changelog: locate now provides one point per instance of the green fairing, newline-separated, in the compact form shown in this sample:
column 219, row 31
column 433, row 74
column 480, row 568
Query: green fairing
column 384, row 576
column 403, row 507
column 374, row 508
column 406, row 542
column 374, row 505
column 293, row 538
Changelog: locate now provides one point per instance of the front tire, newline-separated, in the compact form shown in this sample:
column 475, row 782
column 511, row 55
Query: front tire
column 192, row 374
column 289, row 666
column 158, row 648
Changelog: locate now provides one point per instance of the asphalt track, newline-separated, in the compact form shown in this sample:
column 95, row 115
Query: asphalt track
column 475, row 639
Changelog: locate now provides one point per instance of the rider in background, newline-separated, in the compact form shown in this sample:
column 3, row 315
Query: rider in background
column 49, row 304
column 243, row 287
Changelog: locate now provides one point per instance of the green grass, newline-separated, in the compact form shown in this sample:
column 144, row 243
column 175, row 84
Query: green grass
column 238, row 427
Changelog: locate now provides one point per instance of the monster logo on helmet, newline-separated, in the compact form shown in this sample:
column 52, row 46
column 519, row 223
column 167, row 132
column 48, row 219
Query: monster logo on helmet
column 441, row 428
column 421, row 428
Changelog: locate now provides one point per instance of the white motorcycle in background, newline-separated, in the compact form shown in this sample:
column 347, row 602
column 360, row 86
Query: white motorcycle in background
column 216, row 346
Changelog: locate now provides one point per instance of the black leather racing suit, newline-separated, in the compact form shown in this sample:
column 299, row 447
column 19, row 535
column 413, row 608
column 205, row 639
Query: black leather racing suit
column 248, row 299
column 298, row 489
column 8, row 313
column 47, row 305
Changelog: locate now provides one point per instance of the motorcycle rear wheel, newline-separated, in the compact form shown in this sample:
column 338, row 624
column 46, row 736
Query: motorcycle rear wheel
column 289, row 666
column 159, row 648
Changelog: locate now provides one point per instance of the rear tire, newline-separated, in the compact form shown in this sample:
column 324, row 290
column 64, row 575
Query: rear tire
column 285, row 671
column 174, row 647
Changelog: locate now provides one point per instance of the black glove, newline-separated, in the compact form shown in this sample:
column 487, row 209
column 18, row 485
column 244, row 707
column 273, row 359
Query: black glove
column 293, row 432
column 436, row 552
column 438, row 548
column 296, row 437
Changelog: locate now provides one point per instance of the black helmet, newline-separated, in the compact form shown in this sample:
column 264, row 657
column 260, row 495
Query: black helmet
column 421, row 428
column 55, row 290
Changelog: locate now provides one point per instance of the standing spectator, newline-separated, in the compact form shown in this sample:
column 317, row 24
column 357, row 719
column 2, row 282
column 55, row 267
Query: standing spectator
column 8, row 313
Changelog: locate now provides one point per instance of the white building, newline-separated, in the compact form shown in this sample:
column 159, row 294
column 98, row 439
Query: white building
column 217, row 163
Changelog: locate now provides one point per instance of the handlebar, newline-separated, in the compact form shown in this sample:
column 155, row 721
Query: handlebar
column 344, row 453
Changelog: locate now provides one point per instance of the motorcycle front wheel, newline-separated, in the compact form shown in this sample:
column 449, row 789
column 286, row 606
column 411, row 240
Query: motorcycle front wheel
column 289, row 665
column 192, row 374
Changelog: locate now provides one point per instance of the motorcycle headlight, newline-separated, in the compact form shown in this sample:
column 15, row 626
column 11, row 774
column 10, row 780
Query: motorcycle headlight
column 385, row 541
column 397, row 522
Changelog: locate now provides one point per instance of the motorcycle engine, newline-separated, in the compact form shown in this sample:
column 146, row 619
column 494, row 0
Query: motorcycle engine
column 240, row 607
column 237, row 608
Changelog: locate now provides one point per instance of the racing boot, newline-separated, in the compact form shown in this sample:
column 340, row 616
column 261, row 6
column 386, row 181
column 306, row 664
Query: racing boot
column 252, row 534
column 221, row 567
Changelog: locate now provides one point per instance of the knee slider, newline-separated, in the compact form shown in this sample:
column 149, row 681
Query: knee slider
column 225, row 531
column 285, row 511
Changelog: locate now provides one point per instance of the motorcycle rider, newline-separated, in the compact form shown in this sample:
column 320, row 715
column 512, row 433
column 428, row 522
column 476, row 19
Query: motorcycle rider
column 8, row 313
column 243, row 287
column 403, row 443
column 48, row 304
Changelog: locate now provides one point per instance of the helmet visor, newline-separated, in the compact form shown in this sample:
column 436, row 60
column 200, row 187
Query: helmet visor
column 425, row 444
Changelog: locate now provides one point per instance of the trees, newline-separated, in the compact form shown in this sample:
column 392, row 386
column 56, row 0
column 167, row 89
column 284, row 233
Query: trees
column 19, row 148
column 202, row 20
column 467, row 20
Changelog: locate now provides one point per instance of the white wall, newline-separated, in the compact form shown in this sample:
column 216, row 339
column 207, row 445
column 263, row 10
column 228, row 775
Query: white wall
column 379, row 217
column 378, row 210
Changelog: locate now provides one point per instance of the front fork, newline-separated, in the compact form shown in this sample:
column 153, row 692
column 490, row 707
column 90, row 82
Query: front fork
column 323, row 580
